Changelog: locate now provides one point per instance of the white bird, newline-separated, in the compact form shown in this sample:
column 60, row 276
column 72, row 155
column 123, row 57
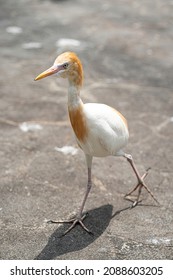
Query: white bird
column 100, row 130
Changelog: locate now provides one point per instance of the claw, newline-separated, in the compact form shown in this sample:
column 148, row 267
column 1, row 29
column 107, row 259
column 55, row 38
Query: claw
column 139, row 183
column 139, row 186
column 74, row 221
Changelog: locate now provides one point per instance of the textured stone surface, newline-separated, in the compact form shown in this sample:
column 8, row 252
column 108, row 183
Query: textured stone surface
column 126, row 50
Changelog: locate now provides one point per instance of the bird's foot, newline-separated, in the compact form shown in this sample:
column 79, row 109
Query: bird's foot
column 76, row 220
column 134, row 200
column 139, row 186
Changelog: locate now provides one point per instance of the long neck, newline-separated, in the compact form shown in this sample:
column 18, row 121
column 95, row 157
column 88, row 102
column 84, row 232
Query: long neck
column 76, row 113
column 75, row 79
column 74, row 99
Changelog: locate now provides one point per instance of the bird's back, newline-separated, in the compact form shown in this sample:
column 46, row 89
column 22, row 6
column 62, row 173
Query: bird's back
column 107, row 130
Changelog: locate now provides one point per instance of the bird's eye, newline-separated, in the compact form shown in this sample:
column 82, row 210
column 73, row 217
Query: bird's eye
column 65, row 65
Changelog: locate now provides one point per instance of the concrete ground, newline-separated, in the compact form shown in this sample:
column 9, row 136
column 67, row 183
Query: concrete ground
column 126, row 50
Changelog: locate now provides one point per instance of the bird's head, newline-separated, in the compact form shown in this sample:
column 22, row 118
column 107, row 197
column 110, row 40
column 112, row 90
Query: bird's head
column 66, row 65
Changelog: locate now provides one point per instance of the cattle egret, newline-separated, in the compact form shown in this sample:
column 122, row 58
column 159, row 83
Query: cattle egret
column 100, row 130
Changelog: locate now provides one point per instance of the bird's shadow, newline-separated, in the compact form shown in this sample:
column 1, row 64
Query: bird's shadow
column 97, row 221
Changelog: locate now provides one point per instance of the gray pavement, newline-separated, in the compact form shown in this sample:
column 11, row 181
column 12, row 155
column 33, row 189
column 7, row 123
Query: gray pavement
column 126, row 50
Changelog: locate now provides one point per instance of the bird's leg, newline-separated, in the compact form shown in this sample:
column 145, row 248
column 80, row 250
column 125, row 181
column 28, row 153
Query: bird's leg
column 136, row 186
column 79, row 217
column 140, row 183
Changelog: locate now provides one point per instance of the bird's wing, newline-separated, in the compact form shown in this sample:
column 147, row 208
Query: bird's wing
column 107, row 126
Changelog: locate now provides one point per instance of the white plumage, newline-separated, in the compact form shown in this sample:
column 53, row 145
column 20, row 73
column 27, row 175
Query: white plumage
column 100, row 130
column 107, row 134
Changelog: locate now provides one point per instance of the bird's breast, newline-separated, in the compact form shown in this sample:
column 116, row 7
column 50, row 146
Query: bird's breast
column 100, row 130
column 78, row 123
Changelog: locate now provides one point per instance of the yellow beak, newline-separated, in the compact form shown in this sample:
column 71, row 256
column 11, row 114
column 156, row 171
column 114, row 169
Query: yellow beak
column 52, row 70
